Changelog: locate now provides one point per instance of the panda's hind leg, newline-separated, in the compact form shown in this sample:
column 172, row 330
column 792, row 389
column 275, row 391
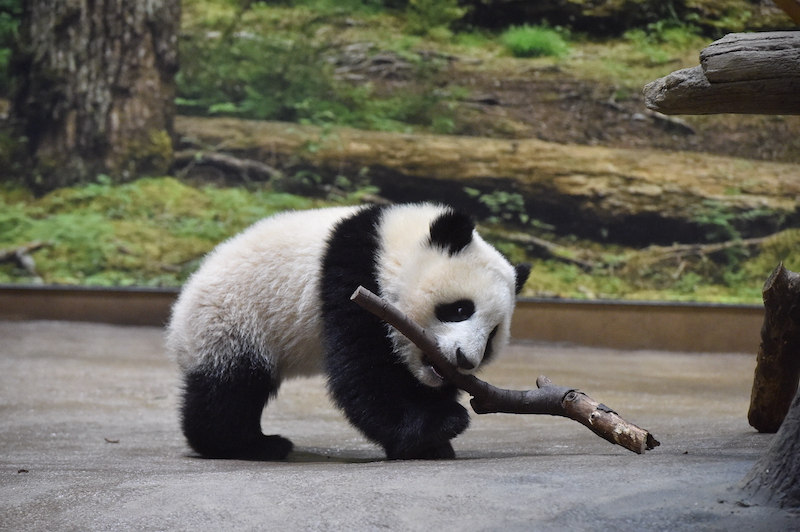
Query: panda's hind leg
column 221, row 412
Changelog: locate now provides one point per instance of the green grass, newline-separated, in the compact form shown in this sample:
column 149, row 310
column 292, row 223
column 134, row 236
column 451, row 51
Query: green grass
column 152, row 232
column 534, row 41
column 155, row 231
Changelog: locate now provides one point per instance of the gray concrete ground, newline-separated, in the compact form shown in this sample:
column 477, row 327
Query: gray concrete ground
column 89, row 441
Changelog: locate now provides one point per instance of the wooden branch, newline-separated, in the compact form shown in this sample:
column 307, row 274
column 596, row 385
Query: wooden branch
column 778, row 363
column 246, row 169
column 22, row 256
column 548, row 249
column 707, row 249
column 547, row 399
column 745, row 73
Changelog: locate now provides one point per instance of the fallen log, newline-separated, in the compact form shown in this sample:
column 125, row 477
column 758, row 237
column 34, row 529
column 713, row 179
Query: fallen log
column 744, row 73
column 637, row 197
column 547, row 399
column 778, row 363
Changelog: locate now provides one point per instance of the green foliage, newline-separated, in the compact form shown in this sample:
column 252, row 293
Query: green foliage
column 257, row 77
column 504, row 207
column 332, row 6
column 152, row 232
column 10, row 15
column 289, row 78
column 781, row 247
column 432, row 17
column 534, row 41
column 660, row 40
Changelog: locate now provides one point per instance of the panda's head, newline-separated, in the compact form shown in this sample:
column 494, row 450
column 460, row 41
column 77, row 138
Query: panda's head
column 461, row 290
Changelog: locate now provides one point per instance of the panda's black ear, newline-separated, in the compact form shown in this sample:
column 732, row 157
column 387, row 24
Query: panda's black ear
column 523, row 270
column 451, row 232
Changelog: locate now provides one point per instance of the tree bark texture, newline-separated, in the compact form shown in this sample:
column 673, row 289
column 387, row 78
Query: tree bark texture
column 98, row 90
column 775, row 479
column 744, row 73
column 631, row 196
column 778, row 364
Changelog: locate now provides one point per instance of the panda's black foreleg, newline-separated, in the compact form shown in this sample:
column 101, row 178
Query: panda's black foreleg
column 408, row 419
column 221, row 413
column 425, row 430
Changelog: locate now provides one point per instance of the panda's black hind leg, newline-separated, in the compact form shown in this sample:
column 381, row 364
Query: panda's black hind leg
column 221, row 414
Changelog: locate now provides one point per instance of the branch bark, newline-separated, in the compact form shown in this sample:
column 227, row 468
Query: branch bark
column 547, row 399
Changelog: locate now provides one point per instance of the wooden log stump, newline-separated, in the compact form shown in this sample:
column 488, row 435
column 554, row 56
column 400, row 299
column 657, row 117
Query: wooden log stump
column 778, row 364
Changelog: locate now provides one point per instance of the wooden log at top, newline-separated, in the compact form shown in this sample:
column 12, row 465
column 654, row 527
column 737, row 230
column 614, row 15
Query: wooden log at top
column 743, row 73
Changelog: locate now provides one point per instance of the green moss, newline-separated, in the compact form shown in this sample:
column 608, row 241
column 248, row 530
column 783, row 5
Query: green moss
column 152, row 232
column 155, row 231
column 782, row 247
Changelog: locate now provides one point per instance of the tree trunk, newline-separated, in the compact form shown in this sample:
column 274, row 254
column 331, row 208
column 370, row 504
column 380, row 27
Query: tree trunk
column 98, row 88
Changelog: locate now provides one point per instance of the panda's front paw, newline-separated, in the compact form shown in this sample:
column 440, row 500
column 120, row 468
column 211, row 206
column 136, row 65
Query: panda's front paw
column 453, row 424
column 438, row 451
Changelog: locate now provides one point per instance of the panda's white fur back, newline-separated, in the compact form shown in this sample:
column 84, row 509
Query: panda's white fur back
column 264, row 284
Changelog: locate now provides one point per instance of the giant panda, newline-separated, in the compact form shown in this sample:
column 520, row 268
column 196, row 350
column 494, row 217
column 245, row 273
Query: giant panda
column 274, row 303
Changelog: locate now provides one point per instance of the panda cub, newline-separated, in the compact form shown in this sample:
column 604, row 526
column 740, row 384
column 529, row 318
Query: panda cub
column 274, row 303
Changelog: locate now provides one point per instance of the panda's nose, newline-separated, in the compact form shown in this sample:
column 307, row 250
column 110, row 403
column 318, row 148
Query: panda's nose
column 462, row 362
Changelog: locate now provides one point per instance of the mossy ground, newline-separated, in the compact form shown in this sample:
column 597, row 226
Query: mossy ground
column 155, row 231
column 152, row 232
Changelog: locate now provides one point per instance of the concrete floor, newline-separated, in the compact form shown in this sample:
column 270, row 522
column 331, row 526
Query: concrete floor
column 89, row 441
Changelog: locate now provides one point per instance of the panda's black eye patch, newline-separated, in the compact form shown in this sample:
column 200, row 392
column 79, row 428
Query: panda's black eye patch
column 460, row 310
